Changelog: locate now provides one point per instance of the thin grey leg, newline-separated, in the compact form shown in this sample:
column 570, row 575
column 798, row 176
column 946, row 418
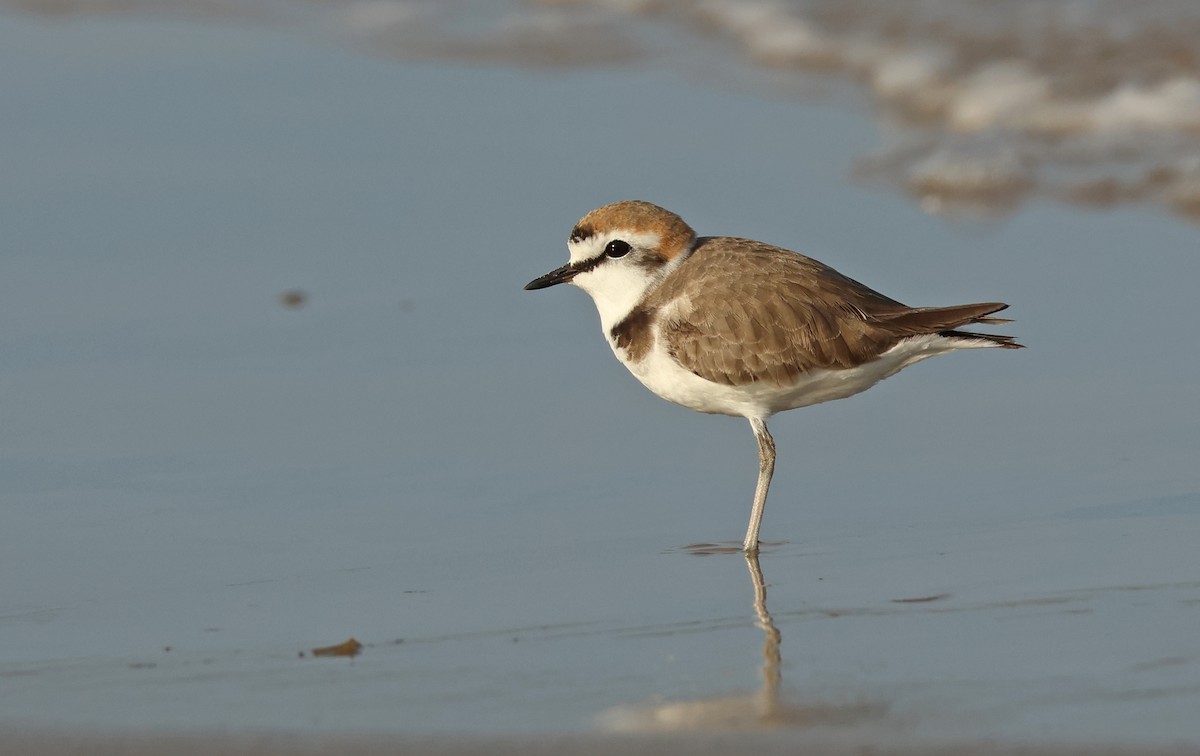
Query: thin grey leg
column 766, row 468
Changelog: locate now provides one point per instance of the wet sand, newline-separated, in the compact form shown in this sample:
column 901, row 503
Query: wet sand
column 44, row 743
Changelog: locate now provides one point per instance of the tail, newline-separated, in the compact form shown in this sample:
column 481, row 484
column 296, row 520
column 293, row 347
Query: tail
column 945, row 321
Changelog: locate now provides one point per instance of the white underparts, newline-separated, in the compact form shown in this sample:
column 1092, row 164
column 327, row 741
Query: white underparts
column 660, row 373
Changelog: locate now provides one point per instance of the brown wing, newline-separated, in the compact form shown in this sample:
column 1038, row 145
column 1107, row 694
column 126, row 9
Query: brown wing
column 754, row 312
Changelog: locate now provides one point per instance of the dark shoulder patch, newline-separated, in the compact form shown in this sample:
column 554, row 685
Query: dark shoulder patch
column 650, row 261
column 633, row 333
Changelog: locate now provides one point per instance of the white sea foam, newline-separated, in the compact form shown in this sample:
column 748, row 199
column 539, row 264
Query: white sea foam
column 1001, row 94
column 1172, row 105
column 968, row 178
column 376, row 16
column 1109, row 83
column 769, row 32
column 907, row 73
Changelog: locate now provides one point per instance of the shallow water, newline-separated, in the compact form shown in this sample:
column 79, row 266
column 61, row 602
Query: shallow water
column 205, row 480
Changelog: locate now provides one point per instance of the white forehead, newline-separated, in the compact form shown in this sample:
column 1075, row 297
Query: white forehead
column 593, row 246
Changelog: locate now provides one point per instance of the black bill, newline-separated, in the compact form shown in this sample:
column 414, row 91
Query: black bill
column 553, row 278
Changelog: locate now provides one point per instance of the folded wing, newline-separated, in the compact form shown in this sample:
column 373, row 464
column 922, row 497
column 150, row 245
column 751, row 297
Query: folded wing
column 787, row 314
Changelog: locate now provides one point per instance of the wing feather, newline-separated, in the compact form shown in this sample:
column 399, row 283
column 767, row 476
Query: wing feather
column 783, row 315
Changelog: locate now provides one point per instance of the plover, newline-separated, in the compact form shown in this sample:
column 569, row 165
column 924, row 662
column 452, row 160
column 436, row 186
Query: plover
column 733, row 326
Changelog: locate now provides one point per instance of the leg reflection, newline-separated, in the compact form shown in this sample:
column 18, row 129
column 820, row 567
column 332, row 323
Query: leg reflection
column 765, row 708
column 772, row 676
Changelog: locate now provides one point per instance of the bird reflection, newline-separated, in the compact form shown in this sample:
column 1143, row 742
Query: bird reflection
column 766, row 708
column 772, row 675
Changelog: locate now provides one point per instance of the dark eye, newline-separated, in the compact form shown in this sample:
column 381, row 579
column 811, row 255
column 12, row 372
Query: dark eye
column 617, row 248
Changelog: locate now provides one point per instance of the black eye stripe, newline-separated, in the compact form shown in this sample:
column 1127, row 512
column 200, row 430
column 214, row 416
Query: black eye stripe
column 586, row 266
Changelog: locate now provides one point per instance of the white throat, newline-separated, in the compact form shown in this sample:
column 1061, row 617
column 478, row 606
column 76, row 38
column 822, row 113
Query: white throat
column 619, row 286
column 615, row 292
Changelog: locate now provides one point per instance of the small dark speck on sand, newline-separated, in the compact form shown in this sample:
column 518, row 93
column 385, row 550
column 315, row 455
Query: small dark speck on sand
column 350, row 648
column 921, row 599
column 293, row 299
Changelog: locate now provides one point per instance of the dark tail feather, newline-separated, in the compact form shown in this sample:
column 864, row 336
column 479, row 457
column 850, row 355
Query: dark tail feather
column 1006, row 342
column 944, row 320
